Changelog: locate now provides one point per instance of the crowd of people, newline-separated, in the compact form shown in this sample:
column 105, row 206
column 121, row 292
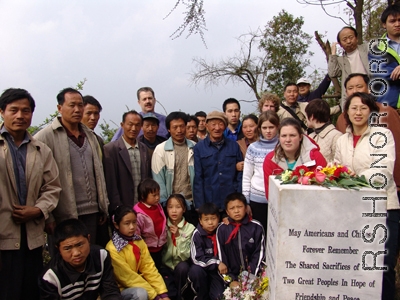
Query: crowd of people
column 176, row 206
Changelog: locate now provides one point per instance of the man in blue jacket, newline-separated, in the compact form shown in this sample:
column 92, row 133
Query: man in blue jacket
column 215, row 160
column 384, row 58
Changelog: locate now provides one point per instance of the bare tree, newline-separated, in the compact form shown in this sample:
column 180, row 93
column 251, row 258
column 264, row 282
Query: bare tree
column 244, row 67
column 364, row 14
column 194, row 21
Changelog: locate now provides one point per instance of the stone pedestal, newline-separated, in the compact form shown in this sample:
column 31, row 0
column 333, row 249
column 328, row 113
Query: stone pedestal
column 325, row 243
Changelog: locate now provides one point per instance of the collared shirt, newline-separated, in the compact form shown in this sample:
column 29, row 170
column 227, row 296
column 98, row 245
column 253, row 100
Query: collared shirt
column 18, row 154
column 233, row 135
column 162, row 129
column 77, row 140
column 394, row 45
column 134, row 156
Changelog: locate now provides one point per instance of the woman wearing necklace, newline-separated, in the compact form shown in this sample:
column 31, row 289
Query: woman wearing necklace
column 293, row 149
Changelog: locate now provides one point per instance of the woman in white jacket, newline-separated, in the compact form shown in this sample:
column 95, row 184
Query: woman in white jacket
column 369, row 150
column 253, row 174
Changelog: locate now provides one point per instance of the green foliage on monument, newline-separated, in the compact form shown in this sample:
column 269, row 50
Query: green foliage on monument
column 286, row 45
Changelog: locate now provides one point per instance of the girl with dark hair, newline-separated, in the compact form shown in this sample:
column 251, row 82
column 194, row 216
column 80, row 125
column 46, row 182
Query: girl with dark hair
column 253, row 174
column 365, row 149
column 134, row 268
column 176, row 252
column 293, row 149
column 151, row 220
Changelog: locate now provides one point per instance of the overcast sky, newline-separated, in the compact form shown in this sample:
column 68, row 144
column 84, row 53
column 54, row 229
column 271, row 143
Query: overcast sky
column 121, row 45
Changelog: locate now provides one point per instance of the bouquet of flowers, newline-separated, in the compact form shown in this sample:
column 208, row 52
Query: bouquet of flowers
column 330, row 176
column 250, row 286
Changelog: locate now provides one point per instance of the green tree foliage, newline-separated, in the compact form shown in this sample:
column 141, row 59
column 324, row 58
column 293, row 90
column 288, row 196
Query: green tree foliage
column 286, row 45
column 266, row 61
column 372, row 26
column 107, row 132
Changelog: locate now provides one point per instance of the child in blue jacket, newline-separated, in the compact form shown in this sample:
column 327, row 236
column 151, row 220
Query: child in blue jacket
column 203, row 274
column 241, row 243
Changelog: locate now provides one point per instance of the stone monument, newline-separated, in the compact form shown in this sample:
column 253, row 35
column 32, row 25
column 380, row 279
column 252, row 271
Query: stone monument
column 325, row 243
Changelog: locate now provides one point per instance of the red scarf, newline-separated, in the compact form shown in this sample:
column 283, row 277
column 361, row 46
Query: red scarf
column 173, row 237
column 136, row 251
column 234, row 231
column 213, row 238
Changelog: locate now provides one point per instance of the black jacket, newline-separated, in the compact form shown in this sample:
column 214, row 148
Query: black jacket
column 245, row 251
column 60, row 281
column 202, row 250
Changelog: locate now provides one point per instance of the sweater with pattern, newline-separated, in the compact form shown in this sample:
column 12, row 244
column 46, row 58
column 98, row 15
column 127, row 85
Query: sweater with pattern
column 253, row 174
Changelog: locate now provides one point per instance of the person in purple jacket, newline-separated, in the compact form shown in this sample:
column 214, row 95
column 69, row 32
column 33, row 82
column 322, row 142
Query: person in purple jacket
column 241, row 242
column 203, row 275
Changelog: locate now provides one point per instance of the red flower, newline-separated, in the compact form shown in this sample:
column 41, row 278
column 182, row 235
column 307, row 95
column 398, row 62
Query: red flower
column 339, row 171
column 300, row 171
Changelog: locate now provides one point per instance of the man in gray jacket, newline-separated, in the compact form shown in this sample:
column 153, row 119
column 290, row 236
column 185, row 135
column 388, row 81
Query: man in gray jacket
column 77, row 153
column 29, row 191
column 354, row 59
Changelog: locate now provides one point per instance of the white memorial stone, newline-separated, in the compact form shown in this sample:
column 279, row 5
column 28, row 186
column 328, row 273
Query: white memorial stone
column 321, row 242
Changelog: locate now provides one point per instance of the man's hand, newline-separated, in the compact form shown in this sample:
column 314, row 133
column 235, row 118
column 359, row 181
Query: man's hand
column 239, row 166
column 174, row 229
column 395, row 73
column 102, row 219
column 225, row 221
column 234, row 284
column 248, row 210
column 222, row 268
column 22, row 214
column 49, row 227
column 333, row 48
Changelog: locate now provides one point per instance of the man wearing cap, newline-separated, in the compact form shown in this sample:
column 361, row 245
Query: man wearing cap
column 215, row 160
column 304, row 86
column 150, row 128
column 147, row 101
column 127, row 162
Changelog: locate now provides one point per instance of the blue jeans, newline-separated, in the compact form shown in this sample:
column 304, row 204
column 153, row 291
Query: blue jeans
column 134, row 293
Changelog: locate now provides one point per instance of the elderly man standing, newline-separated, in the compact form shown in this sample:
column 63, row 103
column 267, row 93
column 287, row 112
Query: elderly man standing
column 29, row 191
column 147, row 101
column 77, row 153
column 215, row 160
